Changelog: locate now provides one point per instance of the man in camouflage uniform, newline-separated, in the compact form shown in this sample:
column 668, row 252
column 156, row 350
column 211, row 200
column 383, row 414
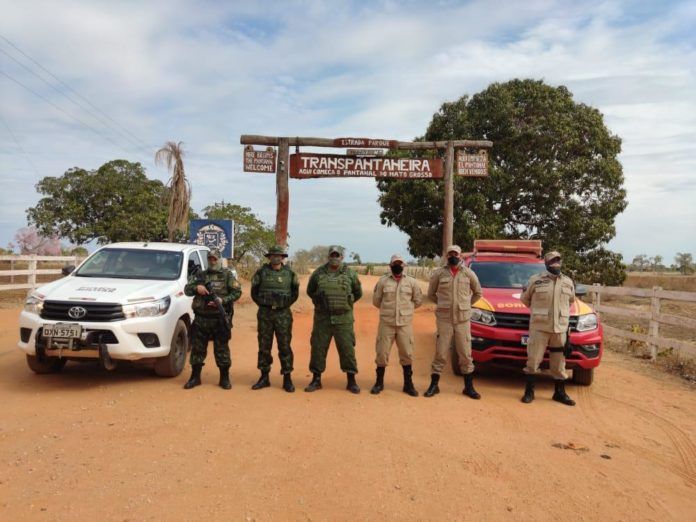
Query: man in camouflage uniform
column 333, row 288
column 208, row 323
column 548, row 296
column 274, row 288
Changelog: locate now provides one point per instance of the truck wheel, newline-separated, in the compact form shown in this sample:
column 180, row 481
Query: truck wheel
column 583, row 377
column 48, row 365
column 172, row 364
column 454, row 357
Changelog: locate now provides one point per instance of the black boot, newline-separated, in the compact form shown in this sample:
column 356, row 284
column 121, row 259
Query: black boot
column 288, row 386
column 560, row 394
column 263, row 382
column 433, row 389
column 195, row 379
column 469, row 390
column 315, row 384
column 408, row 382
column 225, row 383
column 379, row 383
column 352, row 386
column 529, row 389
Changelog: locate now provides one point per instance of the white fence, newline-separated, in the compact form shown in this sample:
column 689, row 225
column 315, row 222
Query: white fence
column 28, row 275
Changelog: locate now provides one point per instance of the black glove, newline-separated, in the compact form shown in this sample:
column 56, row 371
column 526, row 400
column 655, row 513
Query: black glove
column 567, row 347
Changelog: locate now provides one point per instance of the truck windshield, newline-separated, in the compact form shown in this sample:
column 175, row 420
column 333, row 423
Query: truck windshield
column 124, row 263
column 505, row 275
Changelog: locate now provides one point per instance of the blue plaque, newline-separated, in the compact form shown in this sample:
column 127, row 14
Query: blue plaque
column 213, row 233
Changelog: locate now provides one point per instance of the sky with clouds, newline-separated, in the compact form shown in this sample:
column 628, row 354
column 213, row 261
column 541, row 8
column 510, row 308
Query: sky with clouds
column 204, row 73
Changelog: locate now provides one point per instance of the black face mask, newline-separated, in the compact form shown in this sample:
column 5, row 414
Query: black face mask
column 397, row 269
column 453, row 261
column 553, row 270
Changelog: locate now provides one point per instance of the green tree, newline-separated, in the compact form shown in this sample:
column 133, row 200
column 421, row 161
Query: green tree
column 684, row 263
column 554, row 176
column 640, row 263
column 251, row 235
column 116, row 202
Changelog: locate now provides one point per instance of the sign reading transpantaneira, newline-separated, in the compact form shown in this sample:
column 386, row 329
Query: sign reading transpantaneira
column 365, row 143
column 259, row 160
column 334, row 166
column 472, row 165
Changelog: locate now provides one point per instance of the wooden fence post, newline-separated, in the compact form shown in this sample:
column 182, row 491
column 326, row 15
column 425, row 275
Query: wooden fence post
column 654, row 327
column 596, row 297
column 31, row 278
column 12, row 265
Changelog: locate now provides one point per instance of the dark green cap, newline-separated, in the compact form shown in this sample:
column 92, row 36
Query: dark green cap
column 336, row 248
column 276, row 250
column 214, row 252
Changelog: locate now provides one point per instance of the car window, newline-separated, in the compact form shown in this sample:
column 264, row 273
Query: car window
column 194, row 263
column 505, row 275
column 128, row 263
column 204, row 258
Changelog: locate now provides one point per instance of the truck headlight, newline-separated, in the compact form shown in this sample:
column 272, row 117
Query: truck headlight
column 34, row 304
column 482, row 317
column 147, row 309
column 586, row 322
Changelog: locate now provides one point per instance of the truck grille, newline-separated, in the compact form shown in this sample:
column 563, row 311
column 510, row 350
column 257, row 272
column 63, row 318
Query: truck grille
column 96, row 312
column 521, row 321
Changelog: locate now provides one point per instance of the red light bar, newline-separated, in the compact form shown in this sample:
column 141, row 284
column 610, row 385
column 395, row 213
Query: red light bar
column 508, row 246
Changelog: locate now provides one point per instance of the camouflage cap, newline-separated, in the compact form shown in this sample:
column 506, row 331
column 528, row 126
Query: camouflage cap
column 214, row 252
column 276, row 250
column 336, row 248
column 551, row 255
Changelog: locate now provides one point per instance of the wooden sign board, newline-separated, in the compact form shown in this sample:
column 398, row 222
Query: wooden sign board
column 259, row 160
column 364, row 143
column 365, row 152
column 472, row 165
column 305, row 166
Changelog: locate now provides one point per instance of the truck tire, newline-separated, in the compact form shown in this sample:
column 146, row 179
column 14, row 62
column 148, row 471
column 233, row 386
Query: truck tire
column 454, row 357
column 171, row 365
column 583, row 377
column 48, row 365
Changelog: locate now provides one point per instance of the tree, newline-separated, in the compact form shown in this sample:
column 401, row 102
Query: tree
column 640, row 263
column 356, row 258
column 251, row 235
column 29, row 241
column 656, row 263
column 172, row 155
column 117, row 202
column 684, row 263
column 554, row 175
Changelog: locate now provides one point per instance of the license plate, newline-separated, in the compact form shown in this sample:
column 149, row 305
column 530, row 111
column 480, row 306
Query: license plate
column 63, row 331
column 524, row 340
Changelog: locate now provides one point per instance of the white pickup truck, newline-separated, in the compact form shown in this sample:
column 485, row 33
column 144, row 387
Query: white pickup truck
column 126, row 301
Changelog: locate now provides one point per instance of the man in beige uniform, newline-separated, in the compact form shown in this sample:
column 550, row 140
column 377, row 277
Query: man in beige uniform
column 396, row 295
column 548, row 296
column 454, row 288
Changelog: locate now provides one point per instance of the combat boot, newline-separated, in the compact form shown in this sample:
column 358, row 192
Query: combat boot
column 560, row 394
column 469, row 390
column 529, row 389
column 315, row 384
column 263, row 382
column 408, row 381
column 379, row 383
column 352, row 386
column 288, row 386
column 225, row 383
column 433, row 389
column 195, row 379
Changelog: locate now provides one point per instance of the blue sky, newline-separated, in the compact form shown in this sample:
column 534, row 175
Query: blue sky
column 206, row 72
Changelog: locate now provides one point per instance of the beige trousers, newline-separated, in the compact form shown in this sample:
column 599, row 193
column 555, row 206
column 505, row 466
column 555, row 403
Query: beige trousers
column 538, row 342
column 386, row 335
column 461, row 332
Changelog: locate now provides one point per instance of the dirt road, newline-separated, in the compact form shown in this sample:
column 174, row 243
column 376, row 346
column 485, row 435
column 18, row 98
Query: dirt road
column 125, row 445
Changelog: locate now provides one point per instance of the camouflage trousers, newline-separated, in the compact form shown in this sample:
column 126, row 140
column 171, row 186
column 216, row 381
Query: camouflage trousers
column 278, row 322
column 204, row 329
column 344, row 336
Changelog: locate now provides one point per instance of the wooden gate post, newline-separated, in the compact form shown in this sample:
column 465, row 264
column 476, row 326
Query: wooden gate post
column 31, row 278
column 282, row 193
column 448, row 218
column 654, row 326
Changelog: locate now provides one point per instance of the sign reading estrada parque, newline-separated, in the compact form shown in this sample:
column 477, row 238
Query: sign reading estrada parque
column 307, row 165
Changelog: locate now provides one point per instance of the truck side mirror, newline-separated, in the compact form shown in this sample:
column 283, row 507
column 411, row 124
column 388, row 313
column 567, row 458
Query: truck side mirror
column 67, row 270
column 580, row 290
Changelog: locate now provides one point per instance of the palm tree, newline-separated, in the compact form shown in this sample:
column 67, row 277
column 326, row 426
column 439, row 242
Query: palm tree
column 179, row 188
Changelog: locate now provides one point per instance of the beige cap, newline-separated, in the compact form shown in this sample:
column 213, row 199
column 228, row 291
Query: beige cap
column 454, row 248
column 551, row 255
column 396, row 257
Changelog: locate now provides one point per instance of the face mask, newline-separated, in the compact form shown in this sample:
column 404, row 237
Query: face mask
column 453, row 260
column 555, row 270
column 334, row 261
column 397, row 269
column 276, row 260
